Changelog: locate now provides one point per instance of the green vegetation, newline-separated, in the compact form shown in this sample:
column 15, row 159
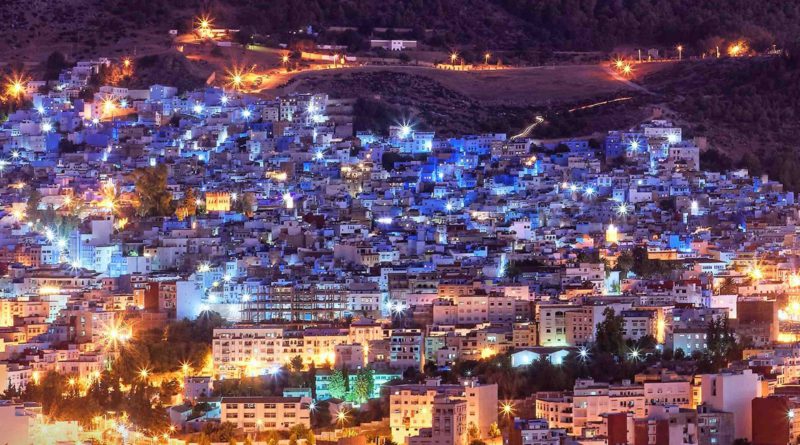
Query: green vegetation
column 151, row 190
column 61, row 399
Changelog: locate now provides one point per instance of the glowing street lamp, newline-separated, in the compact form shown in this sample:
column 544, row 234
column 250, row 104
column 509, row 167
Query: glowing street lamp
column 236, row 78
column 108, row 106
column 627, row 69
column 341, row 416
column 15, row 86
column 583, row 353
column 507, row 408
column 680, row 52
column 737, row 49
column 486, row 58
column 453, row 58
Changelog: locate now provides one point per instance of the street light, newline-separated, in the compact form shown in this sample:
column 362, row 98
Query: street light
column 507, row 408
column 341, row 416
column 453, row 58
column 486, row 58
column 680, row 52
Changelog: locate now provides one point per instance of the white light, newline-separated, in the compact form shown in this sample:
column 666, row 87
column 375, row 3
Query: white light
column 62, row 243
column 224, row 100
column 47, row 127
column 234, row 196
column 40, row 109
column 123, row 103
column 312, row 406
column 96, row 120
column 198, row 108
column 405, row 131
column 15, row 154
column 589, row 191
column 320, row 155
column 448, row 206
column 573, row 187
column 246, row 113
column 246, row 297
column 384, row 220
column 203, row 308
column 634, row 145
column 583, row 353
column 274, row 370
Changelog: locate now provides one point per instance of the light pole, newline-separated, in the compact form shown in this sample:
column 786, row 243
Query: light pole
column 680, row 52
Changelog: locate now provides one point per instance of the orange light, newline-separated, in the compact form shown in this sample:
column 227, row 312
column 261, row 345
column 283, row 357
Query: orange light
column 108, row 106
column 236, row 78
column 627, row 69
column 737, row 49
column 15, row 86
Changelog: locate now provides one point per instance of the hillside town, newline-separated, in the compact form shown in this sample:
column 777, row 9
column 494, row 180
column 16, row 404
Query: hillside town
column 209, row 266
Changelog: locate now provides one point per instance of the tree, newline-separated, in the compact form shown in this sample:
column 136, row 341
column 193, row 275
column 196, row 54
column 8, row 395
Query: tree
column 363, row 386
column 32, row 206
column 473, row 432
column 188, row 206
column 494, row 430
column 151, row 189
column 609, row 337
column 338, row 383
column 55, row 63
column 721, row 341
column 296, row 363
column 293, row 439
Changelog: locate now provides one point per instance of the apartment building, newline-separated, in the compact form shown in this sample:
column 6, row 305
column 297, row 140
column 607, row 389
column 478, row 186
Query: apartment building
column 266, row 413
column 411, row 406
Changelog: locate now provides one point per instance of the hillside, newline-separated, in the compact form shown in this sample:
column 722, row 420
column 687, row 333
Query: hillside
column 85, row 27
column 748, row 108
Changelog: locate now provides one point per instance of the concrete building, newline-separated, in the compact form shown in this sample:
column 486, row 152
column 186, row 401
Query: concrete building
column 411, row 406
column 733, row 393
column 268, row 413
